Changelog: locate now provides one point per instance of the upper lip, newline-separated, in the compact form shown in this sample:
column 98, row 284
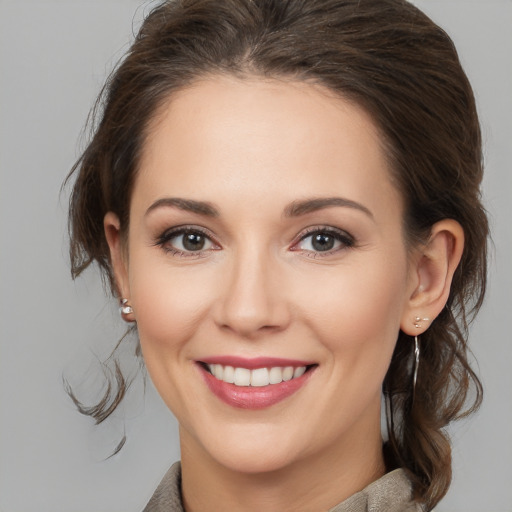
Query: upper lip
column 254, row 362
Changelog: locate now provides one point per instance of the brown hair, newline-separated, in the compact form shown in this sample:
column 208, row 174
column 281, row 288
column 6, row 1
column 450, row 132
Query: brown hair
column 393, row 61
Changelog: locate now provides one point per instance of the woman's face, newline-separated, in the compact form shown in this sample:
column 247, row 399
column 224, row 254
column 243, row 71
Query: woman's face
column 265, row 234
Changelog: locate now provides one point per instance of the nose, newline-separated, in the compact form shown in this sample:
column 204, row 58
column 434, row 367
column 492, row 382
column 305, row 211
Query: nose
column 253, row 301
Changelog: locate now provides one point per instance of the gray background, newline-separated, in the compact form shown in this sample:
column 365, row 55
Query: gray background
column 54, row 56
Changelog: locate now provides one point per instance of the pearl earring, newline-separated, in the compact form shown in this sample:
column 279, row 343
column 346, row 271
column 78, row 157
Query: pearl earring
column 125, row 308
column 418, row 320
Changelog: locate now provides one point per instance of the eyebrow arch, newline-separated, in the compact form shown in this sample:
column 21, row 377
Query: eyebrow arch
column 305, row 206
column 294, row 209
column 189, row 205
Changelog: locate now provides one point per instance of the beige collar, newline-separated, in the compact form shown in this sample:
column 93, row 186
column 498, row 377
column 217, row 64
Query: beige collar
column 391, row 493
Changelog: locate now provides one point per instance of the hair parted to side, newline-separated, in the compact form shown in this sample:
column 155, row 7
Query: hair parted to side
column 390, row 59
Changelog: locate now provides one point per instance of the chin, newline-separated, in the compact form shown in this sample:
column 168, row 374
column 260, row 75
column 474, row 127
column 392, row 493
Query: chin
column 253, row 450
column 255, row 460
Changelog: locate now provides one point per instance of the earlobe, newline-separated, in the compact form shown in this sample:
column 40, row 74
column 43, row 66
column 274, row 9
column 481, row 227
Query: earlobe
column 112, row 227
column 433, row 270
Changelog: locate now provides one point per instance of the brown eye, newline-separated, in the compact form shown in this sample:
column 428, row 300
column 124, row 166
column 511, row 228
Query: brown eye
column 193, row 241
column 322, row 242
column 325, row 241
column 186, row 242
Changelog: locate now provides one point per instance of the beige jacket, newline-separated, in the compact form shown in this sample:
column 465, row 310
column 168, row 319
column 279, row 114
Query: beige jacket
column 391, row 493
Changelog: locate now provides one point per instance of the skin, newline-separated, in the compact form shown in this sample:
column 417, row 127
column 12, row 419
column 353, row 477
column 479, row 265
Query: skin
column 251, row 148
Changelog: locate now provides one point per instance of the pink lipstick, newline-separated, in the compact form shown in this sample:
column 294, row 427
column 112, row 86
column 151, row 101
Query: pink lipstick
column 254, row 383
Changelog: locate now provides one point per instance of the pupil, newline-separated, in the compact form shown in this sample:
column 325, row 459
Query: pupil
column 323, row 242
column 193, row 242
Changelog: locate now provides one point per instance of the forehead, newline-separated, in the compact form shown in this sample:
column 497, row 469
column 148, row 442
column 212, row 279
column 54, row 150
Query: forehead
column 262, row 140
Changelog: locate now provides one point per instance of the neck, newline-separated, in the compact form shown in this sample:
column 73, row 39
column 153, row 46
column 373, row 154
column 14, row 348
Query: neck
column 318, row 482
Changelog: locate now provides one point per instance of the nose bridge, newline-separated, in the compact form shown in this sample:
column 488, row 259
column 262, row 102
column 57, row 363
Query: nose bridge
column 252, row 299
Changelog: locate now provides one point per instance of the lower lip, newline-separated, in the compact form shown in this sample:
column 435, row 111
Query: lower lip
column 253, row 397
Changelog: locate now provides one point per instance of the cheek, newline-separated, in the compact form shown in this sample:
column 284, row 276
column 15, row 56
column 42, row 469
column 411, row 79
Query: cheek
column 168, row 304
column 357, row 310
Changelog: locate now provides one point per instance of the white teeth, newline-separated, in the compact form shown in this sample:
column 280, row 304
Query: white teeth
column 259, row 377
column 242, row 377
column 299, row 371
column 218, row 371
column 256, row 378
column 275, row 375
column 229, row 374
column 288, row 373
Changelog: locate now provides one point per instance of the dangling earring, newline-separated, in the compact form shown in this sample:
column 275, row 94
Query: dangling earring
column 417, row 323
column 125, row 310
column 416, row 365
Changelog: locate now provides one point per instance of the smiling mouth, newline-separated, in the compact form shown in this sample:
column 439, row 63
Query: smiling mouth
column 258, row 377
column 254, row 383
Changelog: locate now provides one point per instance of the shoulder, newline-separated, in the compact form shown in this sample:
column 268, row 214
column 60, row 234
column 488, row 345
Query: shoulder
column 391, row 493
column 167, row 497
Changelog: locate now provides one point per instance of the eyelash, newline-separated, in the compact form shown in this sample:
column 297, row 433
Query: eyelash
column 165, row 237
column 346, row 240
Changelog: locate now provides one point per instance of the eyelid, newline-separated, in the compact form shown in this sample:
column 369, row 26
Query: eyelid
column 176, row 231
column 184, row 228
column 346, row 239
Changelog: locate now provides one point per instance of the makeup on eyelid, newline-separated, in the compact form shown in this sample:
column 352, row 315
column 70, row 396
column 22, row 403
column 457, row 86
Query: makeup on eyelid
column 332, row 239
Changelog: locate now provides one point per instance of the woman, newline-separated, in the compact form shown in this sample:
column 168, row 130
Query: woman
column 285, row 198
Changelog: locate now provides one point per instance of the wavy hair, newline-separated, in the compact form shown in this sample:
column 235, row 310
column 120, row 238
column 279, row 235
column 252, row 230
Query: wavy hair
column 391, row 60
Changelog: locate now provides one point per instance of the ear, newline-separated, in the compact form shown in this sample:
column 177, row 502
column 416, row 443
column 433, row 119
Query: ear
column 112, row 227
column 431, row 273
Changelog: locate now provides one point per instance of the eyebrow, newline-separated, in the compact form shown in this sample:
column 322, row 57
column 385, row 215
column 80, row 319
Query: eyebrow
column 189, row 205
column 305, row 206
column 294, row 209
